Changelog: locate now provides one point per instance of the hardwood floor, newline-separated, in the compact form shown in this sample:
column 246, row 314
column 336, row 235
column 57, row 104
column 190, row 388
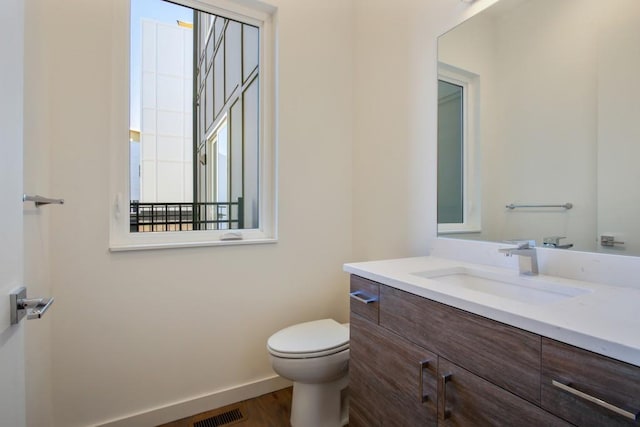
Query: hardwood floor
column 269, row 410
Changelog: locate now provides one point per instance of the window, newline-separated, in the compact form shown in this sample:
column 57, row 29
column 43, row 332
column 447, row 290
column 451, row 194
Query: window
column 199, row 165
column 458, row 171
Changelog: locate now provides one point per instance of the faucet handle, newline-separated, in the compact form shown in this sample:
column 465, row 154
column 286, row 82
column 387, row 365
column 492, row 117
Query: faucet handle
column 552, row 240
column 522, row 243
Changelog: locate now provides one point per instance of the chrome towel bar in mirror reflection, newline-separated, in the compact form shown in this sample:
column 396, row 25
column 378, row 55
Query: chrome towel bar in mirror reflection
column 39, row 200
column 515, row 206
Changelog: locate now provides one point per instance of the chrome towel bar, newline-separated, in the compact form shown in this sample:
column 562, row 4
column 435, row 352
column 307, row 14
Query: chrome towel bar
column 39, row 200
column 514, row 206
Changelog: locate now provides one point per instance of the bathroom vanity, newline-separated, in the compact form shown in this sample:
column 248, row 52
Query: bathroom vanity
column 442, row 342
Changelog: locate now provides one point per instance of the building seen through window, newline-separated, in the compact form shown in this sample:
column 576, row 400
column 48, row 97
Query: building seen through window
column 194, row 120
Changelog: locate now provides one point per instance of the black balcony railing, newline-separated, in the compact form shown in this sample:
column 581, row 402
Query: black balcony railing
column 176, row 216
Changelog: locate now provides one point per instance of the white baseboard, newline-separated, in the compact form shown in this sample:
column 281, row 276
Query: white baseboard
column 196, row 405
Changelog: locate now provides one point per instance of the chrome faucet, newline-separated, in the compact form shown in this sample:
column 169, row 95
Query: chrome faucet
column 527, row 256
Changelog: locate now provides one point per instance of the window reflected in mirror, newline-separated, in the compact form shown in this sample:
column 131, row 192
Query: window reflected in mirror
column 458, row 151
column 450, row 153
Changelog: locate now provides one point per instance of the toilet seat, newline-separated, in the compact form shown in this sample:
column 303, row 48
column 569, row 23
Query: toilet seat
column 310, row 339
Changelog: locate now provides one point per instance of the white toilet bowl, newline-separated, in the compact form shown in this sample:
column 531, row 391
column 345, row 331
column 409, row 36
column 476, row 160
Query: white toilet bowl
column 315, row 356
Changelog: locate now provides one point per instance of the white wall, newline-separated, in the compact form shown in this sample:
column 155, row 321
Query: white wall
column 138, row 330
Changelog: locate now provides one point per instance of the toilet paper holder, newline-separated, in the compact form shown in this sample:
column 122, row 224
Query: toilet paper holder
column 21, row 306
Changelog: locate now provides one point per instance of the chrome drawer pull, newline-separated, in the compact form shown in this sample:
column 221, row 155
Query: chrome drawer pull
column 443, row 412
column 423, row 365
column 595, row 400
column 362, row 297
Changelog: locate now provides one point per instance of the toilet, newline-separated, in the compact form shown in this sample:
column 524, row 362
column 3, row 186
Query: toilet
column 315, row 356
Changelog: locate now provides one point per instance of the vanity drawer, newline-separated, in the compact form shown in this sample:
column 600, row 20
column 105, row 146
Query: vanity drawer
column 506, row 356
column 364, row 297
column 589, row 389
column 465, row 399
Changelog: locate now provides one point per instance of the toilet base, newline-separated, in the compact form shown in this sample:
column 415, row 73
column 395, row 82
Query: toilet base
column 320, row 405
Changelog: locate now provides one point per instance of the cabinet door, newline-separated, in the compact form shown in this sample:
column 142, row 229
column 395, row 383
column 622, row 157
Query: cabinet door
column 467, row 400
column 392, row 382
column 504, row 355
column 589, row 389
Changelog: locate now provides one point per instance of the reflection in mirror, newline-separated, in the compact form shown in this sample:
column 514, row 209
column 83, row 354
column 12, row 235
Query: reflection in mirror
column 557, row 122
column 194, row 119
column 458, row 182
column 450, row 153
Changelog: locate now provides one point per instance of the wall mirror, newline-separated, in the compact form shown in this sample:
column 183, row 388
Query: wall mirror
column 539, row 125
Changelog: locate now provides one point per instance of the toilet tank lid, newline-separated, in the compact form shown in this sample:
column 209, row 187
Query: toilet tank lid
column 310, row 337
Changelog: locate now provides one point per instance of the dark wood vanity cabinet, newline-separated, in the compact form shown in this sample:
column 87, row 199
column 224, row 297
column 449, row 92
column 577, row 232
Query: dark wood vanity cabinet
column 394, row 381
column 506, row 356
column 415, row 361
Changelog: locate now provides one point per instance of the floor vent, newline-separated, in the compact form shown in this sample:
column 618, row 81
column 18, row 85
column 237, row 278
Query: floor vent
column 231, row 416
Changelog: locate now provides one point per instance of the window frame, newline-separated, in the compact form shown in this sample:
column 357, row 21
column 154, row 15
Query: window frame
column 471, row 181
column 120, row 238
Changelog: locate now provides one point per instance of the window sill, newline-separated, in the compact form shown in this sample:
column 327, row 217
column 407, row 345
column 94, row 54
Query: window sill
column 458, row 229
column 125, row 247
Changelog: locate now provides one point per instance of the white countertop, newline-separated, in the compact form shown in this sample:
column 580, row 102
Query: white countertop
column 605, row 320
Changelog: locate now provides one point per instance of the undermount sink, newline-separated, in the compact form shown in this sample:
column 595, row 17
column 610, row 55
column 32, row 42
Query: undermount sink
column 527, row 289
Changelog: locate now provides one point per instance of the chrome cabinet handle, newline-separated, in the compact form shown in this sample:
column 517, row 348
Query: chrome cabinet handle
column 423, row 365
column 362, row 297
column 443, row 413
column 595, row 400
